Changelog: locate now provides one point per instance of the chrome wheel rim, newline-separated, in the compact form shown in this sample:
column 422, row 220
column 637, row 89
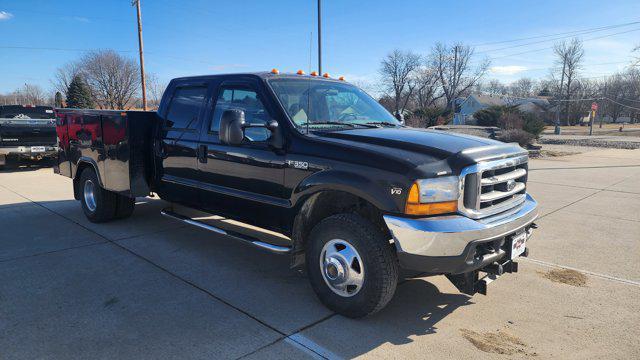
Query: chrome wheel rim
column 341, row 267
column 90, row 195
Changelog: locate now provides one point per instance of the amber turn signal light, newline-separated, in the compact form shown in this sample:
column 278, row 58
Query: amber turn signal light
column 414, row 207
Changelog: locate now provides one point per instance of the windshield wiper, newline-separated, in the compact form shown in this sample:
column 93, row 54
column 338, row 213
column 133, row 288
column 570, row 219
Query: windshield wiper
column 367, row 125
column 382, row 123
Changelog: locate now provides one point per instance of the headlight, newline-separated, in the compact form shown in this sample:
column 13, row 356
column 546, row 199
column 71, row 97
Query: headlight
column 433, row 196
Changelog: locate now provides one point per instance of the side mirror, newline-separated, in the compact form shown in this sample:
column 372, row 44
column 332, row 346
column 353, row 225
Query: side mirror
column 232, row 127
column 276, row 134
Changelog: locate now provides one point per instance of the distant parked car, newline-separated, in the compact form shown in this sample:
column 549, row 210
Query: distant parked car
column 27, row 131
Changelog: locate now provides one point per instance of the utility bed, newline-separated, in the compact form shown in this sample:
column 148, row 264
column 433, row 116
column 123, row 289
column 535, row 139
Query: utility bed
column 116, row 143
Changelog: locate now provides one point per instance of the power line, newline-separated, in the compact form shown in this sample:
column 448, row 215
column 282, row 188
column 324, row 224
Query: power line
column 59, row 49
column 557, row 38
column 551, row 47
column 632, row 100
column 65, row 15
column 621, row 104
column 180, row 58
column 555, row 34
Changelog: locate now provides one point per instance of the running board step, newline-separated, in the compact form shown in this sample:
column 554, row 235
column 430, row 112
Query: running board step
column 236, row 235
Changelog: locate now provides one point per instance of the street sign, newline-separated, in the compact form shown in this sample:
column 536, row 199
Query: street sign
column 594, row 106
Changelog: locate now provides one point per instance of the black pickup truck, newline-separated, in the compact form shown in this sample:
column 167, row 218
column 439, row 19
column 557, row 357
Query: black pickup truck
column 355, row 194
column 27, row 132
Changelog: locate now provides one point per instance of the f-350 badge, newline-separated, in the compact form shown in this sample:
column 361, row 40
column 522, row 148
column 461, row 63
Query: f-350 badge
column 298, row 164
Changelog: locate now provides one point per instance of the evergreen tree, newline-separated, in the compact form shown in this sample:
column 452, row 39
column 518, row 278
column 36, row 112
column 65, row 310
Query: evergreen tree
column 79, row 94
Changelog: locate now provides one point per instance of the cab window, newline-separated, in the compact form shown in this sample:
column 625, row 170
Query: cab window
column 247, row 101
column 184, row 108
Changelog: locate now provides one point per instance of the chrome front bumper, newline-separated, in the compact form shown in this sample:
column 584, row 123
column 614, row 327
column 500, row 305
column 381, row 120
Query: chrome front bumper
column 449, row 236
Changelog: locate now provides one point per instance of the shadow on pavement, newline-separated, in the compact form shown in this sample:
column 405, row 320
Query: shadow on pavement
column 416, row 309
column 20, row 165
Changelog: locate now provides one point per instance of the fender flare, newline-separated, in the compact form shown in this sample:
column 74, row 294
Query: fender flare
column 332, row 180
column 349, row 182
column 87, row 160
column 76, row 177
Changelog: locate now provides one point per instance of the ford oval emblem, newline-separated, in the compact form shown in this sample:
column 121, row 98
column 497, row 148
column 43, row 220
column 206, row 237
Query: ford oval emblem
column 511, row 184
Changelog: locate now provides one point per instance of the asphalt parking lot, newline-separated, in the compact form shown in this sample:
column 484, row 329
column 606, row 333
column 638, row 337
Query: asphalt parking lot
column 149, row 287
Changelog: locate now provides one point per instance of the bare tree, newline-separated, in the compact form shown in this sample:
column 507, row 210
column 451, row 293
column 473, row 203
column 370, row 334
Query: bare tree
column 397, row 71
column 495, row 87
column 544, row 87
column 33, row 94
column 64, row 75
column 113, row 78
column 522, row 87
column 620, row 96
column 569, row 60
column 28, row 94
column 427, row 88
column 632, row 81
column 454, row 69
column 155, row 89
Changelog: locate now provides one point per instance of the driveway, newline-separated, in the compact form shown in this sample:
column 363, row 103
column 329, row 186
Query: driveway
column 150, row 287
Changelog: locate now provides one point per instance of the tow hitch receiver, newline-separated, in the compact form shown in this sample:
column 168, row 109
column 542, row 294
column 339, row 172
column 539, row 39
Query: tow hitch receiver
column 469, row 283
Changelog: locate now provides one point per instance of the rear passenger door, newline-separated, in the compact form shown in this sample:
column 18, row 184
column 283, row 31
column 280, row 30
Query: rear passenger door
column 178, row 146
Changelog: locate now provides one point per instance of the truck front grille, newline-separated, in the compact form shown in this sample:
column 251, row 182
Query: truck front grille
column 492, row 187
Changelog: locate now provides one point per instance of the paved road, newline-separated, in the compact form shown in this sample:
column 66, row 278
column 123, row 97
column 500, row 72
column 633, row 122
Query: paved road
column 148, row 287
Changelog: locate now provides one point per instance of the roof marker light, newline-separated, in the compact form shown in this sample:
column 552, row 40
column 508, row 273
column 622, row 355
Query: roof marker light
column 314, row 73
column 325, row 75
column 300, row 72
column 341, row 78
column 275, row 71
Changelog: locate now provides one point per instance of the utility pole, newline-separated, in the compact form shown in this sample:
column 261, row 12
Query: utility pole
column 320, row 37
column 136, row 3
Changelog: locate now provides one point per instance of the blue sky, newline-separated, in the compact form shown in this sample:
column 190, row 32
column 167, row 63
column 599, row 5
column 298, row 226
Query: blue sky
column 211, row 36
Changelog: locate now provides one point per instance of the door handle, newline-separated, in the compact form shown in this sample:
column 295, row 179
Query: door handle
column 202, row 153
column 160, row 149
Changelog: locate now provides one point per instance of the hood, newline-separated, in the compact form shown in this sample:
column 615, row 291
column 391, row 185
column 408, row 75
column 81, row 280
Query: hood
column 429, row 151
column 436, row 143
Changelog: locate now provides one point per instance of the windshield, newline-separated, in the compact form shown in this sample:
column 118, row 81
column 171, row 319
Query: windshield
column 21, row 112
column 329, row 104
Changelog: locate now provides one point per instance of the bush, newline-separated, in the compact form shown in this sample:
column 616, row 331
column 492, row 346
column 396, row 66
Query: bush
column 430, row 116
column 488, row 117
column 510, row 121
column 533, row 125
column 522, row 137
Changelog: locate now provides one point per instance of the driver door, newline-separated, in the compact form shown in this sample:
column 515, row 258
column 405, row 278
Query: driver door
column 243, row 182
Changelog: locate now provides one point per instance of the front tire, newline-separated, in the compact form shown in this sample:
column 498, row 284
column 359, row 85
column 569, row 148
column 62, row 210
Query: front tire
column 352, row 267
column 98, row 204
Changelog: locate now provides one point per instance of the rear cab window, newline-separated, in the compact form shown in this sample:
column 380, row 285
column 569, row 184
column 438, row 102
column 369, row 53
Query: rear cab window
column 184, row 108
